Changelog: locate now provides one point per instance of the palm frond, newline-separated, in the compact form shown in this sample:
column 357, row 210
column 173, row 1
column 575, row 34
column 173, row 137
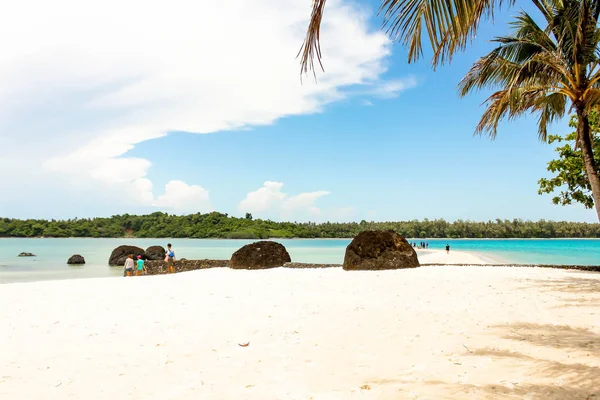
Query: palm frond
column 550, row 108
column 592, row 99
column 545, row 8
column 540, row 69
column 506, row 104
column 491, row 70
column 311, row 48
column 450, row 25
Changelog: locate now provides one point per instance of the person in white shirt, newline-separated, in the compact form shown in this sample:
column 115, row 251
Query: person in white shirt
column 129, row 264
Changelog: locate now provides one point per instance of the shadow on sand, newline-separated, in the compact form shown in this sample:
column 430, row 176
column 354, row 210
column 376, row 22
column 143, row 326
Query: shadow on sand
column 587, row 290
column 574, row 380
column 558, row 362
column 559, row 380
column 574, row 284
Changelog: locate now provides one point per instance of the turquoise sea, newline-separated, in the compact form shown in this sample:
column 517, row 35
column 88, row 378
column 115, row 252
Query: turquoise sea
column 52, row 254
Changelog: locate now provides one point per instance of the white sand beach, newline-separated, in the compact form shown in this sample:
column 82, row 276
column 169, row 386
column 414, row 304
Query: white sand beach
column 436, row 256
column 427, row 333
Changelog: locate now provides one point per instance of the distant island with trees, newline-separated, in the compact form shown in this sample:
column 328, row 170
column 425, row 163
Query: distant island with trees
column 223, row 226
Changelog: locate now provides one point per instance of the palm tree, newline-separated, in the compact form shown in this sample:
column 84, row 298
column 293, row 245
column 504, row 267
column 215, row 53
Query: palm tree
column 543, row 71
column 540, row 71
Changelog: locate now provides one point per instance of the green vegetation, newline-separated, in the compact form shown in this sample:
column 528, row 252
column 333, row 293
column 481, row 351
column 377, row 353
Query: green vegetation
column 217, row 225
column 568, row 169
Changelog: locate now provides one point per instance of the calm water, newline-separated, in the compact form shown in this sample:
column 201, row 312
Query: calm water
column 52, row 254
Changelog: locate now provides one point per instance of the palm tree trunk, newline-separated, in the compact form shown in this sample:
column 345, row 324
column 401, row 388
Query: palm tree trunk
column 591, row 169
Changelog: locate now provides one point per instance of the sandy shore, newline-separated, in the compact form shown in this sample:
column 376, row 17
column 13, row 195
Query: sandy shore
column 432, row 256
column 425, row 333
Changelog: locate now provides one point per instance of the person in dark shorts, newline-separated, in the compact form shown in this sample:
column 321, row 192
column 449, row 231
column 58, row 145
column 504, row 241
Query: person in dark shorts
column 128, row 269
column 447, row 248
column 170, row 258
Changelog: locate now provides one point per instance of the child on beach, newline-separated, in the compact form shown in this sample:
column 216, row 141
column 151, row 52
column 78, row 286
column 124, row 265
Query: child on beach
column 140, row 266
column 170, row 258
column 128, row 269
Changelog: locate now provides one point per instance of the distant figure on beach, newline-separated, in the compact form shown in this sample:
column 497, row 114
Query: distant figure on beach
column 128, row 269
column 140, row 265
column 427, row 245
column 447, row 249
column 170, row 258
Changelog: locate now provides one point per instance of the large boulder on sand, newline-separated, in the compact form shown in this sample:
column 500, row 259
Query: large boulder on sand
column 260, row 255
column 155, row 253
column 77, row 259
column 377, row 250
column 118, row 255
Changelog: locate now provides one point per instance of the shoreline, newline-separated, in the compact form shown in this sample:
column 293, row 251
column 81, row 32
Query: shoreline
column 52, row 254
column 210, row 264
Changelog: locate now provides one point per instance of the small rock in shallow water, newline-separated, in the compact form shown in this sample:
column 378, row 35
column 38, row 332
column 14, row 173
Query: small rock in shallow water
column 76, row 259
column 24, row 254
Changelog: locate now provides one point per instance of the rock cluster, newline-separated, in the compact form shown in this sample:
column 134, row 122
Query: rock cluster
column 24, row 254
column 369, row 250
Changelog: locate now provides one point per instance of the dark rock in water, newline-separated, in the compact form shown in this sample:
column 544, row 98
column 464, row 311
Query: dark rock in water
column 260, row 255
column 26, row 254
column 77, row 259
column 119, row 255
column 378, row 250
column 155, row 253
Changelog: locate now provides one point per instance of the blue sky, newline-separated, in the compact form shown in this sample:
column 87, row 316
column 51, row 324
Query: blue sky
column 365, row 153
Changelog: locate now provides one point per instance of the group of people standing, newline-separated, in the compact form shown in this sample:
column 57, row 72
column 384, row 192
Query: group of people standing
column 425, row 245
column 138, row 267
column 132, row 267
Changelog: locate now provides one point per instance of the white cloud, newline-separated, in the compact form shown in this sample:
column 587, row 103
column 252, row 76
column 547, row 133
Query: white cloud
column 183, row 198
column 84, row 82
column 270, row 202
column 263, row 199
column 303, row 202
column 392, row 88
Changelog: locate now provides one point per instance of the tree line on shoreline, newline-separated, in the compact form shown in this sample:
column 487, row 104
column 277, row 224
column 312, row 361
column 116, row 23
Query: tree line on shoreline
column 223, row 226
